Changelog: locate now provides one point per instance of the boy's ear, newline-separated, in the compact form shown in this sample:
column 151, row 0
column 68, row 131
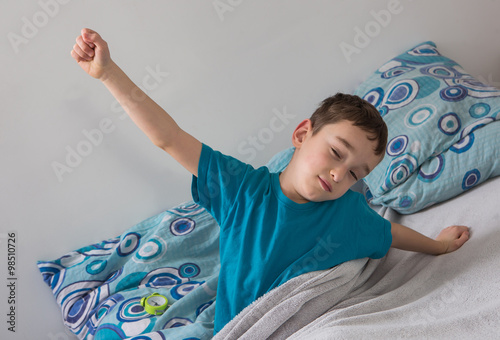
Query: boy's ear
column 301, row 132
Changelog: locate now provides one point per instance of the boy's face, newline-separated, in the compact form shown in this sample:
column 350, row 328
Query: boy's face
column 327, row 164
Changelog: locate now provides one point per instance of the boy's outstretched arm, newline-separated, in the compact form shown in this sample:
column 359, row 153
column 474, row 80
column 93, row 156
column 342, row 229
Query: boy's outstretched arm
column 92, row 54
column 450, row 239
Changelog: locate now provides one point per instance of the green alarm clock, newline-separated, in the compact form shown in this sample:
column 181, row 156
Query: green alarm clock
column 154, row 304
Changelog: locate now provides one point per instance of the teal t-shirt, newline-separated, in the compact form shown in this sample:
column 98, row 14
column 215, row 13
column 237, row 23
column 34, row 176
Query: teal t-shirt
column 267, row 239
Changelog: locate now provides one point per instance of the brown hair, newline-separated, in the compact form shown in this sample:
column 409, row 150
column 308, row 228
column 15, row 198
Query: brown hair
column 356, row 110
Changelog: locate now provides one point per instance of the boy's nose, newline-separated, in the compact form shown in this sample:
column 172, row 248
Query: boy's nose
column 338, row 174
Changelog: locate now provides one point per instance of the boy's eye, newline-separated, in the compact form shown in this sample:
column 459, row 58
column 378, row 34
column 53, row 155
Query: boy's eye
column 354, row 175
column 336, row 153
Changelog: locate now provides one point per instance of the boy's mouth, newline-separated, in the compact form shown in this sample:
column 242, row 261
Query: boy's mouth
column 325, row 185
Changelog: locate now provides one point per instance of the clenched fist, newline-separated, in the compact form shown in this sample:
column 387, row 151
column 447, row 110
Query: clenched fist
column 92, row 53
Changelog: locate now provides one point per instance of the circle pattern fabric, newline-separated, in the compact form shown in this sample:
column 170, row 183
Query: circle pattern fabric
column 442, row 123
column 100, row 287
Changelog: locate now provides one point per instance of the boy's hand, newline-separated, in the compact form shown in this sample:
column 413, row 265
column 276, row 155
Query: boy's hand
column 92, row 53
column 453, row 237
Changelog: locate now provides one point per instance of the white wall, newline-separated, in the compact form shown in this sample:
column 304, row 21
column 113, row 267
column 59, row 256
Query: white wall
column 228, row 74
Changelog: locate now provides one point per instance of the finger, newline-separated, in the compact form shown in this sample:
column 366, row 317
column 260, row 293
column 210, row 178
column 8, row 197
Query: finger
column 462, row 239
column 81, row 53
column 85, row 47
column 92, row 37
column 458, row 229
column 76, row 56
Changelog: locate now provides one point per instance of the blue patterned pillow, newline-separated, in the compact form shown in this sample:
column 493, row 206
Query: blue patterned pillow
column 444, row 134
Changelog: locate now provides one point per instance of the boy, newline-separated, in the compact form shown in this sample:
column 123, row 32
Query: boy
column 271, row 223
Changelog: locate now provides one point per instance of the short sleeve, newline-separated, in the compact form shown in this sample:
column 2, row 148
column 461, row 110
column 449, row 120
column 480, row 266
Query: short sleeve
column 218, row 182
column 374, row 235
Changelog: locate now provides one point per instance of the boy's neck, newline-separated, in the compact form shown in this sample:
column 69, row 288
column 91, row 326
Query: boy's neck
column 286, row 184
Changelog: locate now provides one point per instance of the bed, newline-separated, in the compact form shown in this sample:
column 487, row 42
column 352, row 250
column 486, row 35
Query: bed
column 440, row 168
column 402, row 296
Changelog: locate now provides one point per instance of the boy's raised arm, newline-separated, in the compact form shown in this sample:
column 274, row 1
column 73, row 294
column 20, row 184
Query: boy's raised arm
column 92, row 54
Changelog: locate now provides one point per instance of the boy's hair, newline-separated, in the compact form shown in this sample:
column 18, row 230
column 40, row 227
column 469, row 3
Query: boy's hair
column 356, row 110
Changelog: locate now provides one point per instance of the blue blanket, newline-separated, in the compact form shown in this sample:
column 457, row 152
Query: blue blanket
column 175, row 253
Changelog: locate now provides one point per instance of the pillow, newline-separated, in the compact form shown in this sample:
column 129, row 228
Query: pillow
column 444, row 134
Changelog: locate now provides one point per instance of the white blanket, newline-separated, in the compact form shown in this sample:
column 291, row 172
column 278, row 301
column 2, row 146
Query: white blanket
column 404, row 295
